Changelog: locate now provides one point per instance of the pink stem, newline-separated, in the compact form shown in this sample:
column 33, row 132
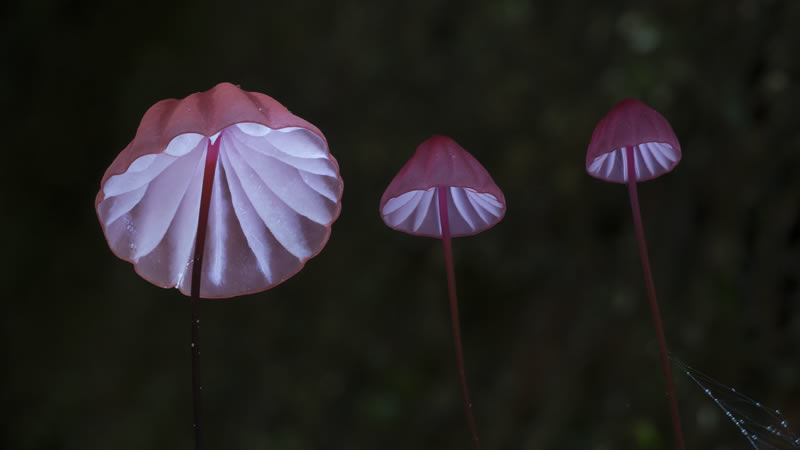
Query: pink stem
column 651, row 293
column 197, row 270
column 451, row 291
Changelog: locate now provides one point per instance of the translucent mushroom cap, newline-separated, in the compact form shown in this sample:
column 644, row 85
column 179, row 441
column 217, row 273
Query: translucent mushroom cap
column 631, row 123
column 474, row 202
column 276, row 191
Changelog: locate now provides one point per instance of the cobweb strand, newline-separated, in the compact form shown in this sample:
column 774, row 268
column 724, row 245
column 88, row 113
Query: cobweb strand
column 763, row 427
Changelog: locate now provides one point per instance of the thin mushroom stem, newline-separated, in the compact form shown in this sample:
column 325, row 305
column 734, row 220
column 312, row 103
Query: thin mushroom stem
column 197, row 269
column 451, row 292
column 651, row 293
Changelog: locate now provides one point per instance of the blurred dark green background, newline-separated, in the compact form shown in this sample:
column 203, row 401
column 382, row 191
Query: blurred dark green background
column 355, row 351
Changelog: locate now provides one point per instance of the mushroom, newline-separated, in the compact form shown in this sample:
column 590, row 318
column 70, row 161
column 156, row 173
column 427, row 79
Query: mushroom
column 634, row 143
column 219, row 194
column 444, row 192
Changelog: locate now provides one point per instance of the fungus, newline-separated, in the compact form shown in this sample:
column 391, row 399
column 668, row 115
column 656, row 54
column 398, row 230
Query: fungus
column 634, row 143
column 444, row 192
column 219, row 194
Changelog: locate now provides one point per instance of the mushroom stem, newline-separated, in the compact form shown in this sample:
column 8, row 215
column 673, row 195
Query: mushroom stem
column 212, row 154
column 651, row 293
column 451, row 292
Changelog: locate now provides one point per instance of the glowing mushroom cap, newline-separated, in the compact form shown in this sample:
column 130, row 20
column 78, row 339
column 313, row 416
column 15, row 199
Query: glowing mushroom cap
column 474, row 202
column 276, row 191
column 631, row 123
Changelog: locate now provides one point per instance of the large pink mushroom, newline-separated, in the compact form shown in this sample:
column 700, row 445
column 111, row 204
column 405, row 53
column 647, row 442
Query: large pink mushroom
column 444, row 192
column 634, row 143
column 219, row 194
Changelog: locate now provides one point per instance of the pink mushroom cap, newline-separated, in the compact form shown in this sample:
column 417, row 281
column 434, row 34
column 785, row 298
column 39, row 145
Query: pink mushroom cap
column 631, row 123
column 276, row 191
column 474, row 202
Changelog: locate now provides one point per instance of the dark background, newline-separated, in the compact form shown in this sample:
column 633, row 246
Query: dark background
column 354, row 352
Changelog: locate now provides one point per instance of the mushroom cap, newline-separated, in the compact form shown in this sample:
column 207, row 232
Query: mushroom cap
column 276, row 191
column 474, row 201
column 631, row 123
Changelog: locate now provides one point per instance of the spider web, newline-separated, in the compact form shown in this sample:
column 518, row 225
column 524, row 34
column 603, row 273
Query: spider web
column 764, row 428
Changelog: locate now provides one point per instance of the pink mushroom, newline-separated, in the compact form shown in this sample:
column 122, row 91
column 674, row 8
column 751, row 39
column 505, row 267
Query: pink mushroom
column 219, row 194
column 443, row 192
column 633, row 143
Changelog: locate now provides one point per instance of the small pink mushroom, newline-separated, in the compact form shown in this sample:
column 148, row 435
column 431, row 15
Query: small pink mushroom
column 443, row 192
column 633, row 143
column 219, row 194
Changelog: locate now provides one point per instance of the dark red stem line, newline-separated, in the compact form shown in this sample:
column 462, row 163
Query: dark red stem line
column 651, row 293
column 451, row 291
column 197, row 269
